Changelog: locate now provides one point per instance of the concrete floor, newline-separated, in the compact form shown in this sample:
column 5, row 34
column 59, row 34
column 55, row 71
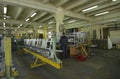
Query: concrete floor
column 105, row 64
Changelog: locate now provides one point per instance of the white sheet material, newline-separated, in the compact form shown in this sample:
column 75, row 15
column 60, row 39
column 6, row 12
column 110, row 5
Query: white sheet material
column 109, row 43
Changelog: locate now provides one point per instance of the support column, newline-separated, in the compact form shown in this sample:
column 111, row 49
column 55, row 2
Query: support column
column 35, row 32
column 59, row 16
column 45, row 32
column 8, row 57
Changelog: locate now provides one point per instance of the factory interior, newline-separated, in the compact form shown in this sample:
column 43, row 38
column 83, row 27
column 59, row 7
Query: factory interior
column 59, row 39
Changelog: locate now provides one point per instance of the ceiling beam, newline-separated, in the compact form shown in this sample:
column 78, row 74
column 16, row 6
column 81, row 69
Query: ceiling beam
column 30, row 13
column 8, row 28
column 39, row 16
column 104, row 5
column 76, row 15
column 103, row 10
column 110, row 15
column 107, row 21
column 19, row 22
column 28, row 16
column 61, row 2
column 90, row 5
column 45, row 1
column 75, row 4
column 57, row 5
column 46, row 18
column 20, row 10
column 36, row 18
column 40, row 6
column 99, row 20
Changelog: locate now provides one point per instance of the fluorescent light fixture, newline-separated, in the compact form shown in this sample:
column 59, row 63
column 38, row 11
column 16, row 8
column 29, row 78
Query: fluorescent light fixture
column 50, row 36
column 114, row 0
column 49, row 32
column 3, row 24
column 5, row 10
column 20, row 24
column 33, row 14
column 71, row 21
column 90, row 8
column 4, row 18
column 28, row 19
column 49, row 27
column 101, row 13
column 51, row 22
column 40, row 26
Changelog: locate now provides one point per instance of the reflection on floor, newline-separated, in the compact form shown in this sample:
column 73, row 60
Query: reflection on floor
column 105, row 64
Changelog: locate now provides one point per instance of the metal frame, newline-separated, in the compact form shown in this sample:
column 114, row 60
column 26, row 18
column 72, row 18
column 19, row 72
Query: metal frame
column 43, row 59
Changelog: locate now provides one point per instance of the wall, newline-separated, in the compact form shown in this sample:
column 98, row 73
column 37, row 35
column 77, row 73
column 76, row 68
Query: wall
column 114, row 35
column 97, row 28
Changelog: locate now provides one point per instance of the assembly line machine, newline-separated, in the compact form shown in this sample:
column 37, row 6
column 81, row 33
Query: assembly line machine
column 43, row 50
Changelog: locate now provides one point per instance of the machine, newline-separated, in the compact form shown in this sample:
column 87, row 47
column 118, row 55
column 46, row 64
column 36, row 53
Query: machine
column 44, row 50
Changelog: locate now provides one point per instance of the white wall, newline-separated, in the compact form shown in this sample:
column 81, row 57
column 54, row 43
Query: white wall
column 115, row 37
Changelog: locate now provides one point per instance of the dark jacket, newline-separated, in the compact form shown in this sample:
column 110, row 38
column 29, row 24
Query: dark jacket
column 63, row 41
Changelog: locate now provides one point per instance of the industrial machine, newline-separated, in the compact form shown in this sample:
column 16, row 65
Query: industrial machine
column 77, row 38
column 78, row 42
column 44, row 50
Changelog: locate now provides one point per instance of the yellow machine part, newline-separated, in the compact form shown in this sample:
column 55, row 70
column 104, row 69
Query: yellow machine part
column 14, row 73
column 8, row 58
column 43, row 59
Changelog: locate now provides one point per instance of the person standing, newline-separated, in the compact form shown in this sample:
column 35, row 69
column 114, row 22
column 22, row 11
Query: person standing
column 64, row 45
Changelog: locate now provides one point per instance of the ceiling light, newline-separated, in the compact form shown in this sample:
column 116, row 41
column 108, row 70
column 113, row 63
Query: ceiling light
column 49, row 36
column 28, row 19
column 5, row 10
column 20, row 24
column 40, row 26
column 114, row 0
column 49, row 27
column 33, row 14
column 49, row 32
column 101, row 13
column 51, row 22
column 4, row 18
column 71, row 21
column 90, row 8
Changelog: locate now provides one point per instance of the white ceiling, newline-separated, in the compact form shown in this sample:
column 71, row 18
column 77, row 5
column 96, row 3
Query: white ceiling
column 19, row 10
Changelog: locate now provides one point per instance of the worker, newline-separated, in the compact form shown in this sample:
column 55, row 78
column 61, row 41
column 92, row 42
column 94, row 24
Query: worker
column 64, row 46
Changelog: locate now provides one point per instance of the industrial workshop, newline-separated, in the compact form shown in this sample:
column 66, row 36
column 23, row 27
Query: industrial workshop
column 59, row 39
